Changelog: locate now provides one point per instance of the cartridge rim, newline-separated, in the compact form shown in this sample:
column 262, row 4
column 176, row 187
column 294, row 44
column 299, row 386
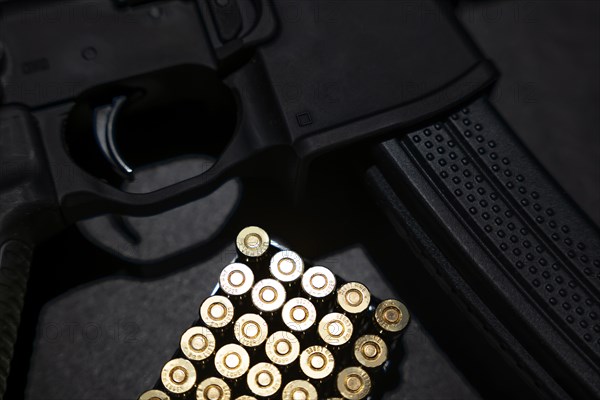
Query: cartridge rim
column 246, row 397
column 391, row 315
column 353, row 383
column 154, row 395
column 216, row 311
column 264, row 379
column 197, row 343
column 318, row 282
column 213, row 388
column 286, row 266
column 299, row 390
column 335, row 329
column 232, row 361
column 282, row 348
column 178, row 375
column 268, row 295
column 317, row 362
column 299, row 314
column 236, row 279
column 252, row 241
column 370, row 350
column 353, row 297
column 251, row 330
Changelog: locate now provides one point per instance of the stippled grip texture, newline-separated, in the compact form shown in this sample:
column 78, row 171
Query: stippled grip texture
column 510, row 229
column 15, row 259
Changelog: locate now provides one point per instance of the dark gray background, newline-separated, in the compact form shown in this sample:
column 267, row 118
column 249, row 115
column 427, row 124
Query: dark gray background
column 109, row 338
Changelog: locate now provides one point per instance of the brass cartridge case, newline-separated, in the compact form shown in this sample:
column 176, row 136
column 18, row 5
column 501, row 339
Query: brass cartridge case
column 236, row 279
column 317, row 362
column 282, row 348
column 232, row 361
column 299, row 314
column 391, row 316
column 178, row 376
column 252, row 242
column 213, row 389
column 268, row 295
column 353, row 383
column 370, row 351
column 264, row 379
column 197, row 343
column 353, row 297
column 217, row 311
column 286, row 266
column 335, row 329
column 318, row 282
column 299, row 390
column 251, row 330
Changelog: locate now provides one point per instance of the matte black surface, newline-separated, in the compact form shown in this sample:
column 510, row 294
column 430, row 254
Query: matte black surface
column 510, row 233
column 67, row 347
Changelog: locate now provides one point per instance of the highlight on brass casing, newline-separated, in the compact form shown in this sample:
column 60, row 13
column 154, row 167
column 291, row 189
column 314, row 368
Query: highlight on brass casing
column 178, row 376
column 282, row 348
column 264, row 379
column 370, row 350
column 299, row 314
column 252, row 241
column 154, row 395
column 232, row 361
column 391, row 315
column 216, row 311
column 245, row 397
column 318, row 282
column 335, row 329
column 213, row 389
column 316, row 362
column 268, row 295
column 299, row 390
column 197, row 343
column 286, row 266
column 251, row 330
column 353, row 297
column 353, row 383
column 236, row 279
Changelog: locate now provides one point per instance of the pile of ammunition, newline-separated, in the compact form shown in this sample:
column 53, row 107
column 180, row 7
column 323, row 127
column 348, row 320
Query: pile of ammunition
column 279, row 328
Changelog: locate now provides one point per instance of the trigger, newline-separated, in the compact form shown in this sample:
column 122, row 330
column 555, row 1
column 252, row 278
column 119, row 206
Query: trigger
column 104, row 132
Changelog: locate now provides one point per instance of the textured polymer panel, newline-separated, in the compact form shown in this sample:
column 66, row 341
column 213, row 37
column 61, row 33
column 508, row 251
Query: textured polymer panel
column 499, row 197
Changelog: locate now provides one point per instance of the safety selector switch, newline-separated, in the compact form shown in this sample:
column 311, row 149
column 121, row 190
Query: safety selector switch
column 279, row 327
